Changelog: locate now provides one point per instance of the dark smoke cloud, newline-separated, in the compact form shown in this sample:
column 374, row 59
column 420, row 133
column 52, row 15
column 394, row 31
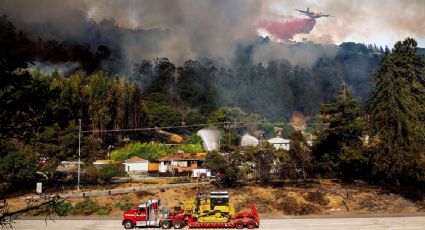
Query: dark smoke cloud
column 197, row 28
column 142, row 29
column 189, row 29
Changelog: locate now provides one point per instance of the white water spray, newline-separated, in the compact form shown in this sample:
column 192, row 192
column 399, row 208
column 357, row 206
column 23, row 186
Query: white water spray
column 210, row 139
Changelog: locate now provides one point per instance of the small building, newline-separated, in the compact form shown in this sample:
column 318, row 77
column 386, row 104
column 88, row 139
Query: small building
column 136, row 164
column 181, row 162
column 280, row 143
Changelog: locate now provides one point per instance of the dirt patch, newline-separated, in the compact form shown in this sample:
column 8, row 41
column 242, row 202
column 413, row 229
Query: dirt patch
column 317, row 197
column 291, row 206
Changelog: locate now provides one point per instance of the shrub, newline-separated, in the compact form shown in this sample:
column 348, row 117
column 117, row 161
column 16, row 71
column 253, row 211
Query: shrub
column 142, row 194
column 179, row 180
column 91, row 175
column 193, row 139
column 124, row 206
column 147, row 181
column 191, row 148
column 103, row 211
column 64, row 208
column 317, row 197
column 85, row 207
column 107, row 172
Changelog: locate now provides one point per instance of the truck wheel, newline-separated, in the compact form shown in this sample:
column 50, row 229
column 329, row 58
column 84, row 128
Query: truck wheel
column 128, row 224
column 166, row 225
column 250, row 225
column 239, row 225
column 178, row 225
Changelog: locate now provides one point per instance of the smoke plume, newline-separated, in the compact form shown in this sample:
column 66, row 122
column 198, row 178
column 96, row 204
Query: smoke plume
column 189, row 29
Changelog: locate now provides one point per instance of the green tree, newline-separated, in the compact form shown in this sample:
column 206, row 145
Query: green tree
column 300, row 152
column 332, row 149
column 263, row 156
column 397, row 114
column 100, row 90
column 17, row 165
column 193, row 139
column 160, row 112
column 216, row 162
column 195, row 86
column 107, row 172
column 221, row 165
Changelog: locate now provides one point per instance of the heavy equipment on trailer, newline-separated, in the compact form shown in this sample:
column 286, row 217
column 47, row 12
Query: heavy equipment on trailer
column 203, row 211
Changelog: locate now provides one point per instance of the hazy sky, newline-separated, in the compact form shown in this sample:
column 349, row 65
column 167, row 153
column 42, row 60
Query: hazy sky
column 370, row 21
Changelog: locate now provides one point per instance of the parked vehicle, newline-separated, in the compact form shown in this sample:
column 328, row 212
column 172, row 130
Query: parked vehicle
column 201, row 173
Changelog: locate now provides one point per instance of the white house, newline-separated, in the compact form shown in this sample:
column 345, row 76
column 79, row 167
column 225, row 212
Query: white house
column 136, row 164
column 280, row 143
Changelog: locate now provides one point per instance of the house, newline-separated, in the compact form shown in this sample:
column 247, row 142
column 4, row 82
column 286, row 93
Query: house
column 136, row 164
column 181, row 162
column 280, row 143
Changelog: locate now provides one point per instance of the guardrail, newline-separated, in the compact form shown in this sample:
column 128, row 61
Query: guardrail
column 118, row 190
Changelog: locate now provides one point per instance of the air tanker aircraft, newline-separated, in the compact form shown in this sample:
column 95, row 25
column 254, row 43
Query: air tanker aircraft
column 312, row 14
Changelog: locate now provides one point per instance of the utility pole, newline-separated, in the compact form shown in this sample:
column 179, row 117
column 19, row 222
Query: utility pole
column 79, row 153
column 229, row 126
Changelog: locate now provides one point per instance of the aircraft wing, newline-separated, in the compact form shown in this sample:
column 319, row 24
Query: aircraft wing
column 323, row 15
column 302, row 11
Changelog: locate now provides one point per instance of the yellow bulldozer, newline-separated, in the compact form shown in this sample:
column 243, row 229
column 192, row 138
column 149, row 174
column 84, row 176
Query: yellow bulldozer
column 214, row 208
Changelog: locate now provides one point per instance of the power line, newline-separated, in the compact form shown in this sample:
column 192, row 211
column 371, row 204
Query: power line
column 150, row 128
column 196, row 125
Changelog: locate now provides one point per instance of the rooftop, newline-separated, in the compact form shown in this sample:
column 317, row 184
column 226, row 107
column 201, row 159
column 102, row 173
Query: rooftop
column 135, row 160
column 183, row 157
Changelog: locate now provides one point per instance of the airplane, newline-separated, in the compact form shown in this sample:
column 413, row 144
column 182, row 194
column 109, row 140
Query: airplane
column 312, row 14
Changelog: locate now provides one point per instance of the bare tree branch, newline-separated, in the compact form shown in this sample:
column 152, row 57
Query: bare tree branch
column 42, row 201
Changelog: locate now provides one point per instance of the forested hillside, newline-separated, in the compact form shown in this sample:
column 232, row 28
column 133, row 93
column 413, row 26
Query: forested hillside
column 281, row 86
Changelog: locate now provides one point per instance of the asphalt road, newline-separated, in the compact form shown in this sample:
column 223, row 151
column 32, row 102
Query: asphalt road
column 408, row 223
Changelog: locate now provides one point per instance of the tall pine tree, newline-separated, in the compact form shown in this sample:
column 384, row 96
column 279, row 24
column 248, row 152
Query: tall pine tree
column 338, row 148
column 397, row 114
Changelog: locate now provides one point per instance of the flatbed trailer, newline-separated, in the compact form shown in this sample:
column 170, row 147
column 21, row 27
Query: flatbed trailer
column 248, row 219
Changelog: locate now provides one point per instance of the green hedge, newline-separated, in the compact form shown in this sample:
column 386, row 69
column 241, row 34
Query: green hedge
column 151, row 151
column 148, row 151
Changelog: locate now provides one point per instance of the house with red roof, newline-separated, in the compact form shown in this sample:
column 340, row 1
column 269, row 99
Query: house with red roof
column 181, row 162
column 136, row 165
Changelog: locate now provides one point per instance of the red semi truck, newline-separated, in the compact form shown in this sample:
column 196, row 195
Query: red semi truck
column 150, row 214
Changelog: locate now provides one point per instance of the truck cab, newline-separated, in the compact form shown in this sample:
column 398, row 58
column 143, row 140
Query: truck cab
column 146, row 214
column 150, row 214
